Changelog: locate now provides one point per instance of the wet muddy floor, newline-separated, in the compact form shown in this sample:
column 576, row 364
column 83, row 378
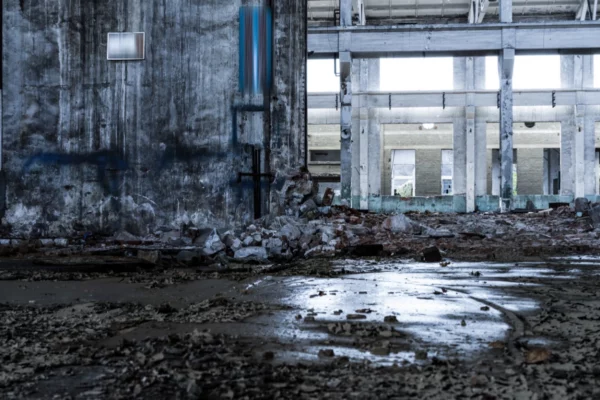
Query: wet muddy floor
column 371, row 329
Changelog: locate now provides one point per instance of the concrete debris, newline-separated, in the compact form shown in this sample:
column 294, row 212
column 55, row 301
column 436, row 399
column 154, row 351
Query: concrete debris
column 210, row 242
column 152, row 256
column 581, row 205
column 398, row 224
column 432, row 254
column 328, row 197
column 251, row 253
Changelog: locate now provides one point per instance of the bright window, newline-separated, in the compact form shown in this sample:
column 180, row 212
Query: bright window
column 403, row 173
column 416, row 74
column 530, row 72
column 321, row 76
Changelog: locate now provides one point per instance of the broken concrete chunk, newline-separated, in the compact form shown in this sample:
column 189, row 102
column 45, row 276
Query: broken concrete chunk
column 210, row 242
column 291, row 232
column 439, row 233
column 581, row 204
column 153, row 257
column 398, row 224
column 328, row 197
column 258, row 253
column 326, row 353
column 61, row 242
column 432, row 254
column 595, row 215
column 356, row 316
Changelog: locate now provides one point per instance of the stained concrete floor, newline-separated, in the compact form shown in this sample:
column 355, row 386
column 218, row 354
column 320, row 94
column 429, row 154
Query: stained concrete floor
column 471, row 312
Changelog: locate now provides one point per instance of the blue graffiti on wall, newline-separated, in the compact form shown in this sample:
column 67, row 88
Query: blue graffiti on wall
column 108, row 165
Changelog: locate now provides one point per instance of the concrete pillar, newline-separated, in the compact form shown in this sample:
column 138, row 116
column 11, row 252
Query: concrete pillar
column 469, row 138
column 505, row 11
column 578, row 131
column 506, row 62
column 346, row 126
column 366, row 141
column 345, row 58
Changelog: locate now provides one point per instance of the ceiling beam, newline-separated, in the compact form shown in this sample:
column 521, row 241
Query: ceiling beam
column 455, row 39
column 457, row 98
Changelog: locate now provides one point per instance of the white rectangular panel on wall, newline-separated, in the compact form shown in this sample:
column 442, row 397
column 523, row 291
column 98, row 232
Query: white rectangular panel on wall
column 123, row 46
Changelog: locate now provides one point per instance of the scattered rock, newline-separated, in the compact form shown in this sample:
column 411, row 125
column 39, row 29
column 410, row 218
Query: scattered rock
column 581, row 205
column 432, row 254
column 537, row 356
column 398, row 224
column 356, row 316
column 210, row 242
column 251, row 253
column 390, row 319
column 328, row 197
column 151, row 256
column 326, row 353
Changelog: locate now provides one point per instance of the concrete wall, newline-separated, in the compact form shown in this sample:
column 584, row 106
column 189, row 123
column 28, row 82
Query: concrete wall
column 101, row 146
column 428, row 172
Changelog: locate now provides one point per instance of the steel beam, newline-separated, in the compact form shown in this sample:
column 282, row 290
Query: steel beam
column 458, row 98
column 455, row 39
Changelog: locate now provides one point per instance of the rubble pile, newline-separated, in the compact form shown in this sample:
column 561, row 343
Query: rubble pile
column 305, row 225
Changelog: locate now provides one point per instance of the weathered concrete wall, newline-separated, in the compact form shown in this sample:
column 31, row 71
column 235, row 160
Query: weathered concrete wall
column 530, row 171
column 101, row 146
column 428, row 173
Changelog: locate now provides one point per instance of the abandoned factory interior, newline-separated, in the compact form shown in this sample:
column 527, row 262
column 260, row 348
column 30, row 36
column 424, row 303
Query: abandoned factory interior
column 300, row 199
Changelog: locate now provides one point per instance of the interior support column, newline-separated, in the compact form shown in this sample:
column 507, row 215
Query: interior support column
column 506, row 66
column 346, row 102
column 346, row 126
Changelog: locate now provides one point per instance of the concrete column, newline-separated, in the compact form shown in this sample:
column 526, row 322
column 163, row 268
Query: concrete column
column 366, row 141
column 505, row 10
column 346, row 126
column 506, row 65
column 375, row 137
column 469, row 176
column 578, row 131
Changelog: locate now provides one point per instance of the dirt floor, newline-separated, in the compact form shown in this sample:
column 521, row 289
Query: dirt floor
column 511, row 312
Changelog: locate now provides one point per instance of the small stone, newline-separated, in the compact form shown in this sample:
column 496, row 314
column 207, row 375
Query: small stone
column 309, row 318
column 61, row 242
column 485, row 308
column 153, row 257
column 421, row 355
column 356, row 316
column 327, row 353
column 259, row 253
column 463, row 323
column 432, row 254
column 269, row 355
column 390, row 319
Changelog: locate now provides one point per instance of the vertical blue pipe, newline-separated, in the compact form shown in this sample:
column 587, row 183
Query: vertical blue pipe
column 255, row 49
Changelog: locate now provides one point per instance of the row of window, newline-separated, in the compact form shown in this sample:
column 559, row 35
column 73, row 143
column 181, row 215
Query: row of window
column 418, row 74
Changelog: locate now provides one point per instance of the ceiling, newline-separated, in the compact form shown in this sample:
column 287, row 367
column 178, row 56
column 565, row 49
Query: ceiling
column 321, row 12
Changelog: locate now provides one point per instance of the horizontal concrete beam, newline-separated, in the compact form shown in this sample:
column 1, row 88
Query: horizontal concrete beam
column 454, row 39
column 447, row 116
column 482, row 98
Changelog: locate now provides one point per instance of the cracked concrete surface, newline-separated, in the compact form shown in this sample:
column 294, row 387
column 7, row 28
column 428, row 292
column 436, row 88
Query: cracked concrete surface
column 379, row 329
